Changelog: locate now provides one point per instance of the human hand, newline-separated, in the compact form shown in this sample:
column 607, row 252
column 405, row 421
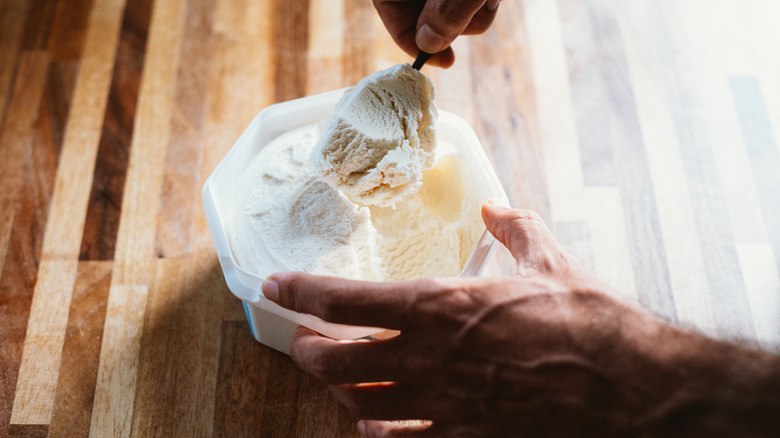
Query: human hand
column 432, row 25
column 544, row 353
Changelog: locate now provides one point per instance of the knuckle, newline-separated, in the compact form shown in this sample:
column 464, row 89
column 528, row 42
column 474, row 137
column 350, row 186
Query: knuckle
column 452, row 17
column 479, row 24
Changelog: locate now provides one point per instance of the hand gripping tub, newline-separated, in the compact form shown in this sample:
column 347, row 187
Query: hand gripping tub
column 271, row 324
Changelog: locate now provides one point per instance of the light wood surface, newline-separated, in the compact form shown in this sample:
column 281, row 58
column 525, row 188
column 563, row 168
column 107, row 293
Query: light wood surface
column 645, row 132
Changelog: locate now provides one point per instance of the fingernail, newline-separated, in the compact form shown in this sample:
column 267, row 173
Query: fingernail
column 429, row 41
column 492, row 5
column 271, row 289
column 362, row 427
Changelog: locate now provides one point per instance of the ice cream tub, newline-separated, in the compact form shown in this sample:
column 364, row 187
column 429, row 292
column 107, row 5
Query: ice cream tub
column 271, row 324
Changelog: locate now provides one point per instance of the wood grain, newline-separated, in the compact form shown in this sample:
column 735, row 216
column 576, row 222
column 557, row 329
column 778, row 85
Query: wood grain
column 13, row 15
column 81, row 351
column 108, row 182
column 645, row 133
column 134, row 263
column 290, row 28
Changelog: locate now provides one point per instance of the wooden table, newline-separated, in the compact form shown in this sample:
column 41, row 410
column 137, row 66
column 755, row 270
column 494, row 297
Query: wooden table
column 645, row 132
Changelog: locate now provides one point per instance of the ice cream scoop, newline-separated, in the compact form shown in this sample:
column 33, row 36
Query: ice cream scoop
column 381, row 138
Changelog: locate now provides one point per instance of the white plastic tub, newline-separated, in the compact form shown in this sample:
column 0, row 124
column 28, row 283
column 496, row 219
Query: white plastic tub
column 271, row 324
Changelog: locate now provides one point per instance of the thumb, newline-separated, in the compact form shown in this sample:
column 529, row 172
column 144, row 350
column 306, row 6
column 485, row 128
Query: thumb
column 526, row 236
column 442, row 21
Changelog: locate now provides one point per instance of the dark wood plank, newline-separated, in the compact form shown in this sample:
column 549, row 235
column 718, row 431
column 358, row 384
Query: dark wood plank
column 358, row 41
column 317, row 409
column 68, row 29
column 761, row 143
column 81, row 351
column 13, row 16
column 28, row 430
column 181, row 190
column 198, row 347
column 290, row 41
column 38, row 25
column 102, row 221
column 244, row 368
column 280, row 408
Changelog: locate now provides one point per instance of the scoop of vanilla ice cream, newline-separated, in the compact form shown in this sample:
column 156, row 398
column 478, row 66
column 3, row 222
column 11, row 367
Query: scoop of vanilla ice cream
column 381, row 137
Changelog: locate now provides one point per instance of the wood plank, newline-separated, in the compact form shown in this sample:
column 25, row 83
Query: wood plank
column 590, row 51
column 558, row 134
column 763, row 152
column 609, row 241
column 102, row 221
column 157, row 369
column 690, row 284
column 81, row 351
column 28, row 430
column 727, row 289
column 16, row 138
column 30, row 216
column 762, row 283
column 68, row 29
column 134, row 264
column 241, row 388
column 646, row 246
column 318, row 410
column 116, row 379
column 198, row 344
column 82, row 133
column 40, row 365
column 358, row 60
column 508, row 127
column 13, row 15
column 17, row 283
column 38, row 25
column 22, row 211
column 290, row 33
column 280, row 409
column 60, row 246
column 325, row 47
column 181, row 188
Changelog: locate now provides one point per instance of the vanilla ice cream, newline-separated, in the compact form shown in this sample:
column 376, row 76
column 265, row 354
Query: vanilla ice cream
column 298, row 222
column 381, row 138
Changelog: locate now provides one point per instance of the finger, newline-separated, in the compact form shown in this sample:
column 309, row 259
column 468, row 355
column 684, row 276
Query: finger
column 335, row 361
column 377, row 304
column 386, row 429
column 526, row 236
column 398, row 401
column 482, row 20
column 442, row 21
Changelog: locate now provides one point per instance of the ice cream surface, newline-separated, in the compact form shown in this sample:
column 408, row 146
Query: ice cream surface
column 381, row 138
column 292, row 220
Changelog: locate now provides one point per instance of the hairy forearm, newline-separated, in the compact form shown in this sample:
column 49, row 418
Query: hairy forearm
column 701, row 386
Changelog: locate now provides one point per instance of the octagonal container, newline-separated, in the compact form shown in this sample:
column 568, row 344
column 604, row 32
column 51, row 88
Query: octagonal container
column 270, row 323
